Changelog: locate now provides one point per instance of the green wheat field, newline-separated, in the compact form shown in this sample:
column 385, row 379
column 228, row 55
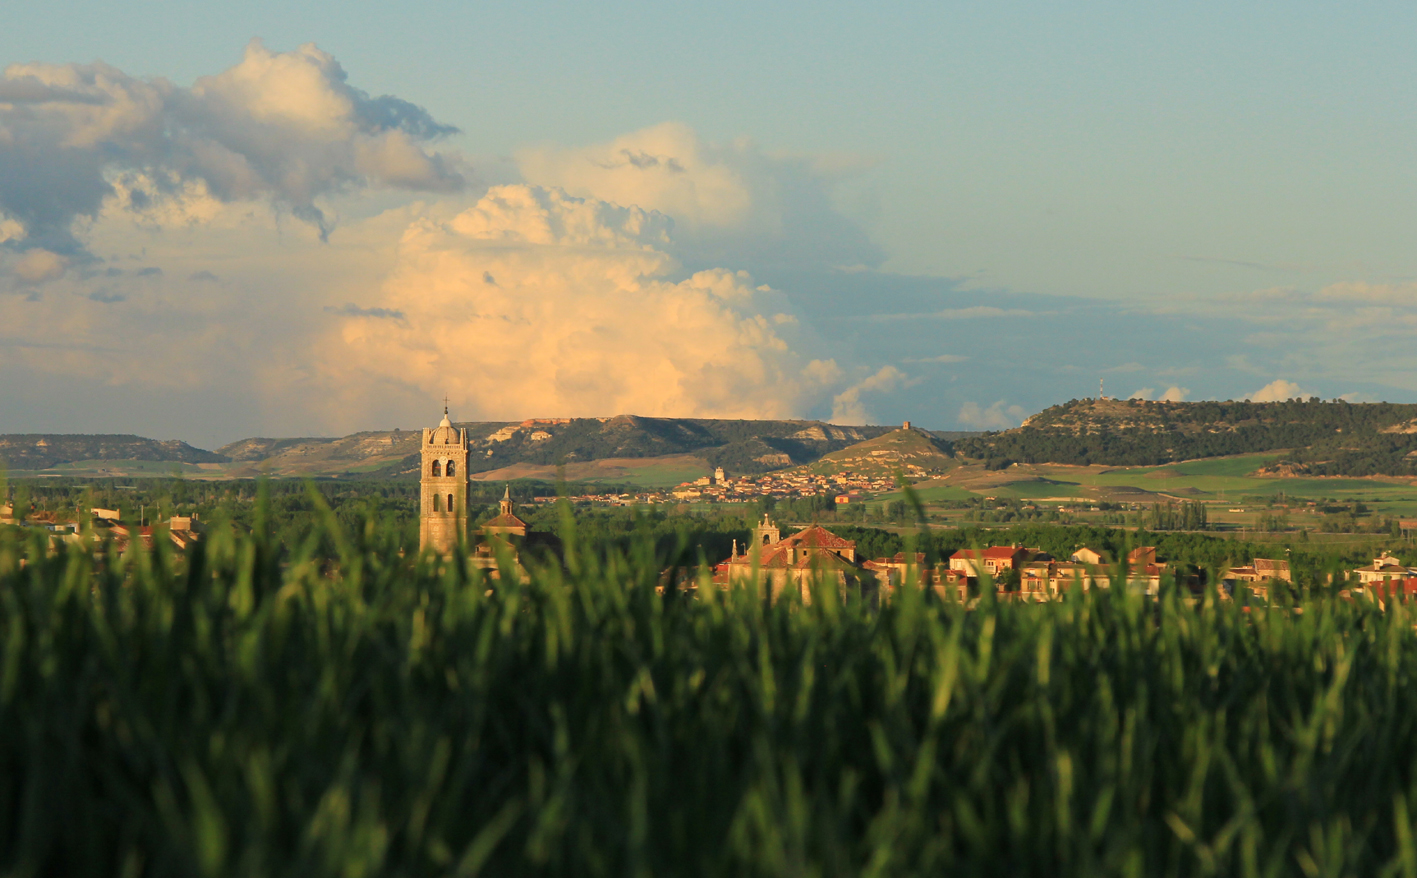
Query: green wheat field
column 346, row 710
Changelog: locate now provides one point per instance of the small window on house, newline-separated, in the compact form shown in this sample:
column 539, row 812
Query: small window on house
column 452, row 469
column 437, row 469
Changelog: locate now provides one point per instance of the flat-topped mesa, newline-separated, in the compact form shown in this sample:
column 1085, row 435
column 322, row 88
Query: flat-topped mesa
column 1326, row 437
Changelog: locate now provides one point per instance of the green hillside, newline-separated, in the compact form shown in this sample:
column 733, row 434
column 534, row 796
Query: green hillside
column 38, row 451
column 740, row 446
column 913, row 453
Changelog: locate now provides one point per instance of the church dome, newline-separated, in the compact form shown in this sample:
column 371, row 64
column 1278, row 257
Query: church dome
column 445, row 433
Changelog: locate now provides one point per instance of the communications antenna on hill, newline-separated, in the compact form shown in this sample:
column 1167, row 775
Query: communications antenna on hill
column 1100, row 394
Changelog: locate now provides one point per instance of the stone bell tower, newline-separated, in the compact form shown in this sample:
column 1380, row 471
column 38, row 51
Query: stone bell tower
column 442, row 515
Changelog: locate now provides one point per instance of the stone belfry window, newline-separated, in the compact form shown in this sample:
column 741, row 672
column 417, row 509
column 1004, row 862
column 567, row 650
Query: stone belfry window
column 437, row 469
column 437, row 503
column 450, row 502
column 452, row 469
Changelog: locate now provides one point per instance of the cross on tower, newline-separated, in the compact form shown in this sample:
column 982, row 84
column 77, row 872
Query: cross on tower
column 445, row 403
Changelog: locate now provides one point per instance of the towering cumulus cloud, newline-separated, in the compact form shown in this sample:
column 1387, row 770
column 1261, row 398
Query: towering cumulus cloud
column 284, row 126
column 536, row 302
column 730, row 202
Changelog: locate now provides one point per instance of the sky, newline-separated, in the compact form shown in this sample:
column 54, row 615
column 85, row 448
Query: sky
column 220, row 221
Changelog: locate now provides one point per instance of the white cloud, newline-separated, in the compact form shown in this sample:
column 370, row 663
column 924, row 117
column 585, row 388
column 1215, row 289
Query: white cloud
column 136, row 220
column 1174, row 394
column 225, row 312
column 1277, row 391
column 1143, row 393
column 730, row 202
column 847, row 407
column 998, row 416
column 278, row 125
column 534, row 302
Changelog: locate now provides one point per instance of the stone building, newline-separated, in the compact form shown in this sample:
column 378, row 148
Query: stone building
column 506, row 521
column 508, row 537
column 812, row 555
column 994, row 561
column 442, row 515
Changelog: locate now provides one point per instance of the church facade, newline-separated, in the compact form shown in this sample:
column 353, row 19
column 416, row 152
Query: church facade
column 442, row 518
column 798, row 562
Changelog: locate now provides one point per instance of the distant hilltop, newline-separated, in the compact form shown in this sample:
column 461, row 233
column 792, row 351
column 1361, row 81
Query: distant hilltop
column 512, row 449
column 1315, row 437
column 39, row 451
column 1312, row 438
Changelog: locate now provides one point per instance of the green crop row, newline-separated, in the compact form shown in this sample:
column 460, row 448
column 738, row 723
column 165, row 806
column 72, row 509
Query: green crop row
column 346, row 710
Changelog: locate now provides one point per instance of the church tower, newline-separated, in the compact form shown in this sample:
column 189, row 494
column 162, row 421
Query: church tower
column 766, row 533
column 443, row 506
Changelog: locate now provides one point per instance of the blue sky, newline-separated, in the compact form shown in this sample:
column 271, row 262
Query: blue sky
column 971, row 211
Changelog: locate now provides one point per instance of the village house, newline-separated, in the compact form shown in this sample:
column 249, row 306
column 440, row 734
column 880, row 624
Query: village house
column 1257, row 576
column 1392, row 589
column 1144, row 570
column 993, row 561
column 902, row 569
column 1088, row 556
column 1385, row 568
column 1047, row 580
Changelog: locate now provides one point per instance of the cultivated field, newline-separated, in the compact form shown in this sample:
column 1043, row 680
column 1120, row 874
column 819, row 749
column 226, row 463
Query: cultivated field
column 345, row 710
column 1223, row 482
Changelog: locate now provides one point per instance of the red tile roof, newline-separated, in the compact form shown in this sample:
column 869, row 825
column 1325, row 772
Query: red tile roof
column 991, row 552
column 816, row 537
column 824, row 561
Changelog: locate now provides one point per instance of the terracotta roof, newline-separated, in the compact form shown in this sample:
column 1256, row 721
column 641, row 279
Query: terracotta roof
column 773, row 557
column 824, row 561
column 991, row 552
column 817, row 537
column 1402, row 587
column 506, row 519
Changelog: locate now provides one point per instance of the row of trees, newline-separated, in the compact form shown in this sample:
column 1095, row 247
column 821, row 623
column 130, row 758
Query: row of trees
column 1169, row 515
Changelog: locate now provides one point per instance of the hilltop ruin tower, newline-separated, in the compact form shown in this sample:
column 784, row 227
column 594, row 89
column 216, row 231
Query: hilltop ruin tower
column 442, row 518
